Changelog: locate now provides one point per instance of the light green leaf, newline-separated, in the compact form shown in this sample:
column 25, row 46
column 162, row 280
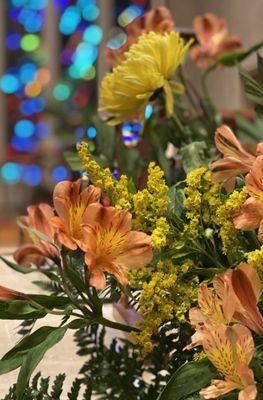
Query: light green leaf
column 193, row 155
column 230, row 59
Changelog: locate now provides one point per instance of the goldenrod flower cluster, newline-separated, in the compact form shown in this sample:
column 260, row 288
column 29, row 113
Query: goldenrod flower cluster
column 165, row 296
column 202, row 199
column 160, row 234
column 255, row 258
column 147, row 67
column 224, row 218
column 116, row 190
column 151, row 204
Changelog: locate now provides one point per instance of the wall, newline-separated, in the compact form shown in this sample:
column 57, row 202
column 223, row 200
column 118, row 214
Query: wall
column 245, row 19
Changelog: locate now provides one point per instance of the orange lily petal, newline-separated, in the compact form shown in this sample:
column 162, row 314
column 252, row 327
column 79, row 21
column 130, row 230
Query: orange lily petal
column 9, row 294
column 254, row 180
column 110, row 245
column 250, row 215
column 246, row 295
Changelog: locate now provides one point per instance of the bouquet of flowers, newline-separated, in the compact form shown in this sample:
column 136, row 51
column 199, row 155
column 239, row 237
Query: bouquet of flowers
column 168, row 229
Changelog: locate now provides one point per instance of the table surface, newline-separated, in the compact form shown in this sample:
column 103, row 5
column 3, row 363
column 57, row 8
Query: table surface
column 61, row 358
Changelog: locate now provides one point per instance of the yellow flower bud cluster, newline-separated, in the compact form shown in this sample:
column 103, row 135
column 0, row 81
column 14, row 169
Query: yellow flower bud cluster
column 116, row 190
column 255, row 258
column 151, row 203
column 224, row 219
column 165, row 296
column 160, row 234
column 202, row 199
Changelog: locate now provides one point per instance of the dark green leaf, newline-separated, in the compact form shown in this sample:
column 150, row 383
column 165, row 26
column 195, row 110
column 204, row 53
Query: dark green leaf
column 17, row 267
column 50, row 302
column 188, row 379
column 260, row 67
column 34, row 356
column 75, row 277
column 78, row 323
column 57, row 387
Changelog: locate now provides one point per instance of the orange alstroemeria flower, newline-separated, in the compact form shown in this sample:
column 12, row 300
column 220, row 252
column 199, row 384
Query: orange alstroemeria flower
column 156, row 20
column 230, row 349
column 9, row 294
column 38, row 218
column 236, row 159
column 250, row 216
column 214, row 40
column 111, row 246
column 72, row 208
column 234, row 298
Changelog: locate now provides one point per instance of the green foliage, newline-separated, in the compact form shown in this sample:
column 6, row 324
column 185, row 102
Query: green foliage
column 19, row 309
column 17, row 267
column 188, row 379
column 193, row 155
column 114, row 372
column 34, row 356
column 75, row 388
column 231, row 59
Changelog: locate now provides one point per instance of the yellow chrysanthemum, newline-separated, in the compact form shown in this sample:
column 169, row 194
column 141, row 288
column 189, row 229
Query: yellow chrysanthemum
column 148, row 66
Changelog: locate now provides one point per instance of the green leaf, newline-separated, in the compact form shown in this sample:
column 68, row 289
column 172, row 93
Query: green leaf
column 34, row 356
column 14, row 357
column 193, row 155
column 78, row 323
column 188, row 379
column 257, row 363
column 252, row 88
column 73, row 160
column 39, row 234
column 260, row 67
column 177, row 198
column 50, row 302
column 19, row 309
column 18, row 267
column 75, row 277
column 230, row 59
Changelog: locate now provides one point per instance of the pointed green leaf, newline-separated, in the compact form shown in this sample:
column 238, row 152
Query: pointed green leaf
column 188, row 379
column 18, row 267
column 39, row 234
column 34, row 356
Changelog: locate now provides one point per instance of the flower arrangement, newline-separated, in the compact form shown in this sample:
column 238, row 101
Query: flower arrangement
column 174, row 244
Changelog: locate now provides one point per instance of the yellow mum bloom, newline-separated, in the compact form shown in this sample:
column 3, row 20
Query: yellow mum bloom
column 148, row 66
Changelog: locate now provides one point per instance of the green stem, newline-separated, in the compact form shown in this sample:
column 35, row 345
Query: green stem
column 82, row 308
column 115, row 325
column 204, row 84
column 212, row 259
column 35, row 304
